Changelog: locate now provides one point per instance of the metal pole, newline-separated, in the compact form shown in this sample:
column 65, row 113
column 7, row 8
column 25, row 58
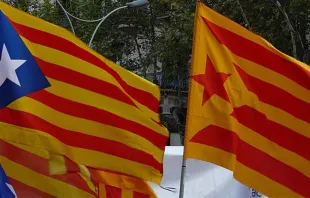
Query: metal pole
column 133, row 4
column 103, row 19
column 64, row 10
column 292, row 31
column 183, row 172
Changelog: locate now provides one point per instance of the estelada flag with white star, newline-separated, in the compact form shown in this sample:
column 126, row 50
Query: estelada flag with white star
column 249, row 108
column 59, row 96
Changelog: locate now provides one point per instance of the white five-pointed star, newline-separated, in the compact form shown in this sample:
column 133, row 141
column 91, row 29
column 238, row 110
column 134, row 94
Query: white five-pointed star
column 12, row 189
column 8, row 67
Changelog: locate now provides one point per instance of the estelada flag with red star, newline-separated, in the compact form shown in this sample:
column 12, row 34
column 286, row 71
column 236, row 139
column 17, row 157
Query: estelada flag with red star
column 248, row 108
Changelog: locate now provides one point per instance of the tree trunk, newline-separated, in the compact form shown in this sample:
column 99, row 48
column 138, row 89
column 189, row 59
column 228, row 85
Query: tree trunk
column 154, row 58
column 244, row 15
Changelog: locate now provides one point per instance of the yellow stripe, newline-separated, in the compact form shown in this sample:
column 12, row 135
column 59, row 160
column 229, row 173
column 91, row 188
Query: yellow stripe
column 239, row 30
column 134, row 79
column 73, row 63
column 110, row 162
column 87, row 127
column 36, row 23
column 282, row 117
column 273, row 113
column 43, row 153
column 85, row 174
column 41, row 182
column 217, row 112
column 239, row 95
column 86, row 157
column 89, row 98
column 70, row 62
column 269, row 147
column 102, row 191
column 273, row 78
column 127, row 193
column 209, row 154
column 57, row 164
column 242, row 173
column 267, row 186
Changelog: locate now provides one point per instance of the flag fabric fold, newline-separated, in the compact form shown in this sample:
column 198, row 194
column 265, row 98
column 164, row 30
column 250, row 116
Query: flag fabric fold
column 37, row 173
column 248, row 107
column 116, row 185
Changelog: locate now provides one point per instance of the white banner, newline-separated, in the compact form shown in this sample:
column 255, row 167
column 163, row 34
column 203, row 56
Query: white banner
column 203, row 179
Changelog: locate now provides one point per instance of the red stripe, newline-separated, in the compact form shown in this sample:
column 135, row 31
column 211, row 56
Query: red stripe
column 71, row 166
column 79, row 140
column 113, row 192
column 275, row 132
column 254, row 158
column 86, row 82
column 275, row 96
column 217, row 137
column 39, row 165
column 25, row 191
column 80, row 80
column 52, row 41
column 98, row 115
column 140, row 195
column 256, row 53
column 23, row 157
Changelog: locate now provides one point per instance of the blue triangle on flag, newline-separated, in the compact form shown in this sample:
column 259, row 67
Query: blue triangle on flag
column 6, row 190
column 20, row 74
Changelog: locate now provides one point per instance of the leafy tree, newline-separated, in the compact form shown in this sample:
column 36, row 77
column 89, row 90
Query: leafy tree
column 162, row 32
column 267, row 20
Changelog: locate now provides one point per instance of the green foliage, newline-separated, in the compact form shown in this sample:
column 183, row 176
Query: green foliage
column 269, row 22
column 176, row 40
column 140, row 37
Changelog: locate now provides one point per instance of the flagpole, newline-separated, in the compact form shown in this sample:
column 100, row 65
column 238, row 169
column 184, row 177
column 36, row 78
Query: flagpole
column 183, row 169
column 183, row 172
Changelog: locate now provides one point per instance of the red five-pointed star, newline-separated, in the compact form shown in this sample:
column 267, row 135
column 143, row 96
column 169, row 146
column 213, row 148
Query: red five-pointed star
column 212, row 81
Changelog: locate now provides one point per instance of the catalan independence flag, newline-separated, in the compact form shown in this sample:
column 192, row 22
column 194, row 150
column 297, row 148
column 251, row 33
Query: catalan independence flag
column 59, row 97
column 249, row 108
